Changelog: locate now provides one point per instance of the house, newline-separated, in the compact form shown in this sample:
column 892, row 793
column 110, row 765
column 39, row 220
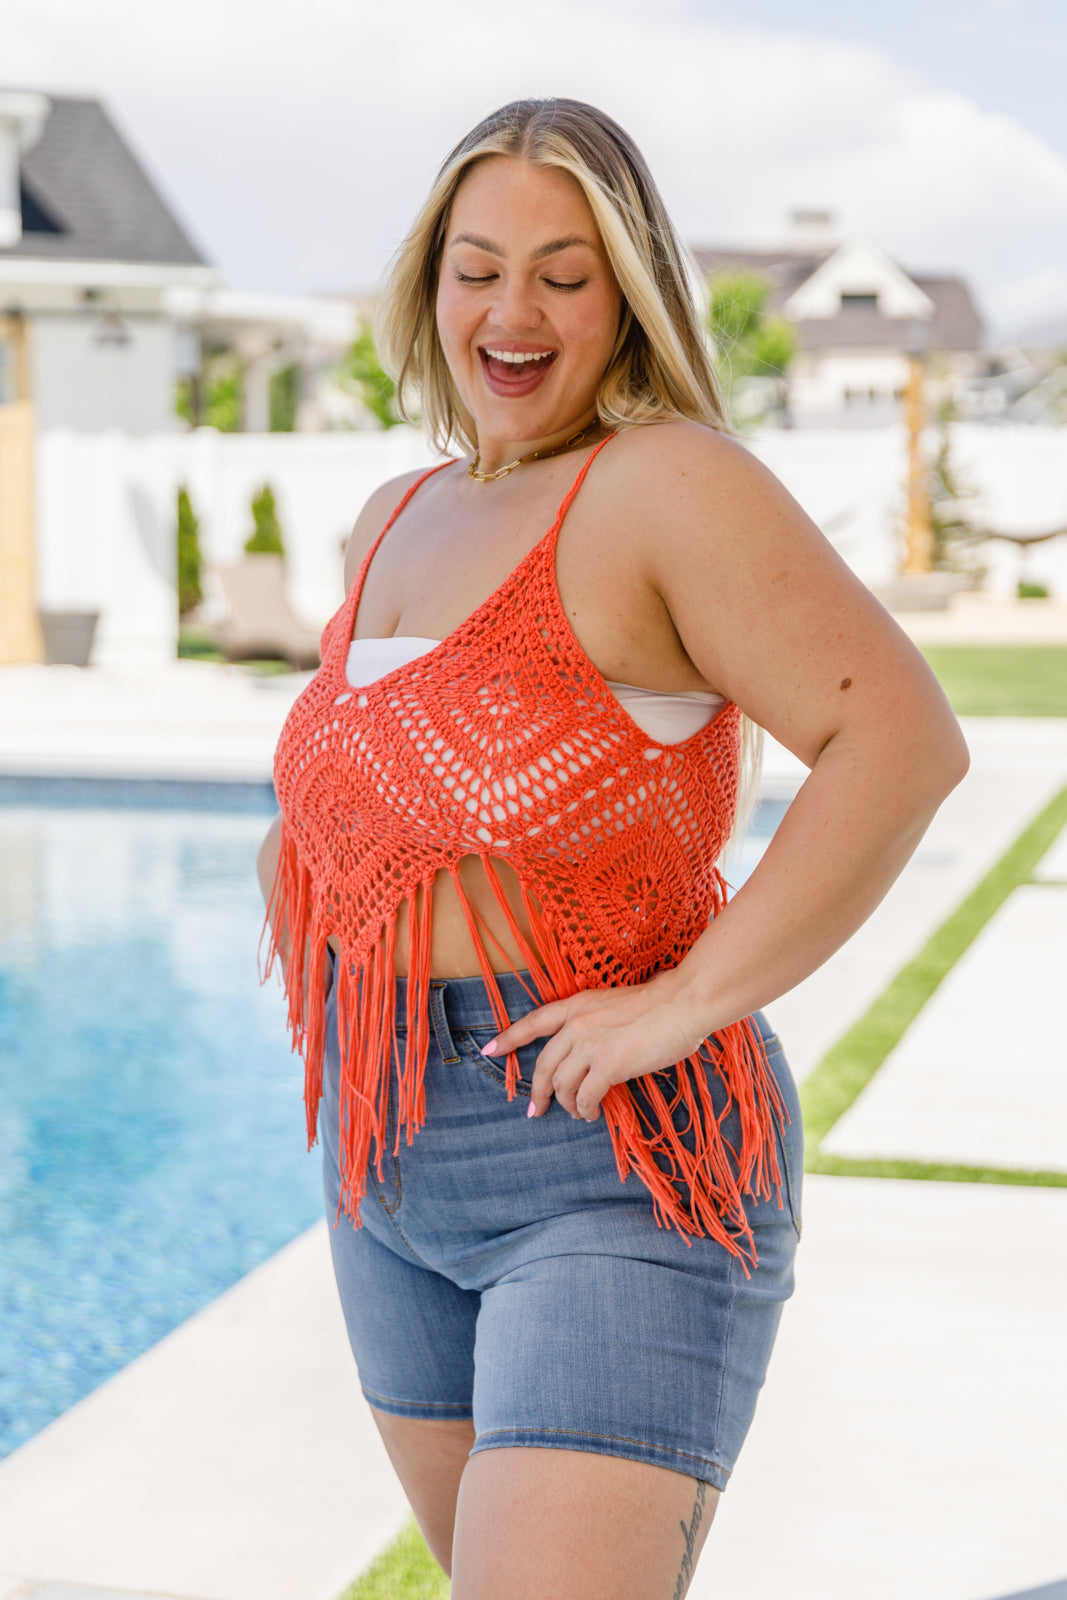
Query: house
column 858, row 315
column 105, row 301
column 89, row 250
column 105, row 298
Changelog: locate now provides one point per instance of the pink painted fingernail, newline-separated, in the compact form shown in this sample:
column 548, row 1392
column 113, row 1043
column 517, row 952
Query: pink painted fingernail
column 490, row 1048
column 531, row 1110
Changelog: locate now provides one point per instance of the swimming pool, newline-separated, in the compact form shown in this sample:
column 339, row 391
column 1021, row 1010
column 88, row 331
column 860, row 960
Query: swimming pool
column 152, row 1145
column 151, row 1140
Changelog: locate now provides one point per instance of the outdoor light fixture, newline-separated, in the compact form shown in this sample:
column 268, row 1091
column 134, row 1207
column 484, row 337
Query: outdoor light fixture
column 111, row 328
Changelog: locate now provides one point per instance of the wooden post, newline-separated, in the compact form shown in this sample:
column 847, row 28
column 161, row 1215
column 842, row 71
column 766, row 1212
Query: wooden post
column 20, row 630
column 919, row 555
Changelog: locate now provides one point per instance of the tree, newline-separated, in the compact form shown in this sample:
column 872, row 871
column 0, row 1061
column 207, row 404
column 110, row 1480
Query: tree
column 224, row 388
column 284, row 398
column 749, row 343
column 190, row 561
column 267, row 536
column 956, row 539
column 364, row 373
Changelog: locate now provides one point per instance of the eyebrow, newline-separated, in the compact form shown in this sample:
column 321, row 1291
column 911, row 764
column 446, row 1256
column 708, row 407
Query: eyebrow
column 550, row 249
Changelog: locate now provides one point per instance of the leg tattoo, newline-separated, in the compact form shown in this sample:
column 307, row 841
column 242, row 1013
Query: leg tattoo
column 689, row 1534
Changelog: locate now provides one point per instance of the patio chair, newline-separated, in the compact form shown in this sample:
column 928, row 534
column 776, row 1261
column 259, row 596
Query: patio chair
column 261, row 620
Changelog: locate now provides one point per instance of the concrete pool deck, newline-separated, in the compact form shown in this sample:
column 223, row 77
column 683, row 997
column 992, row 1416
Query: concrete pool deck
column 911, row 1438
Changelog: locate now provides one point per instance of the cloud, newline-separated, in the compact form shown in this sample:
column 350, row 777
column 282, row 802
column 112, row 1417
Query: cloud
column 297, row 141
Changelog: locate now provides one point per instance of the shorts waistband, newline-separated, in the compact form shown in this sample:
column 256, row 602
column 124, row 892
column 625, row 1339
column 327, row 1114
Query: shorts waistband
column 463, row 1003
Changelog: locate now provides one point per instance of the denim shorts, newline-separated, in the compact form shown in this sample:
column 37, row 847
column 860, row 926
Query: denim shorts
column 504, row 1273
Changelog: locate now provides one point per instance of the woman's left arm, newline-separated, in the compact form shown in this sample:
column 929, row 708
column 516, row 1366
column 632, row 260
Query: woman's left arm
column 773, row 618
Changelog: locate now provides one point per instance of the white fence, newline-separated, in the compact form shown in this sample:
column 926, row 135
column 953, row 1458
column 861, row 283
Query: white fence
column 106, row 509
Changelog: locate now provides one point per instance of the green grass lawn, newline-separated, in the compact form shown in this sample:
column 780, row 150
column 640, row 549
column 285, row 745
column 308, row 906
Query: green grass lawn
column 1003, row 680
column 405, row 1570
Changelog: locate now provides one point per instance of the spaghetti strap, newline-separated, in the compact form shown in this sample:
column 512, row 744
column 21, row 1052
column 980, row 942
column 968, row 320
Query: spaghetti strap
column 410, row 490
column 577, row 484
column 372, row 549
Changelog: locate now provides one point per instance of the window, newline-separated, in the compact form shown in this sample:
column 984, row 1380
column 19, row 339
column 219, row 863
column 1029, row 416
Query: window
column 859, row 302
column 36, row 216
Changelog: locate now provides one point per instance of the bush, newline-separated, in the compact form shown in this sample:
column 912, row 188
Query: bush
column 190, row 561
column 1031, row 591
column 267, row 537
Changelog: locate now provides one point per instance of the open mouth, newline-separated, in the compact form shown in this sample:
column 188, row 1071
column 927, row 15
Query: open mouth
column 515, row 372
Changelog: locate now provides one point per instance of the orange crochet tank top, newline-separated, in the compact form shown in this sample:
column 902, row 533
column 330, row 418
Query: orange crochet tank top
column 504, row 741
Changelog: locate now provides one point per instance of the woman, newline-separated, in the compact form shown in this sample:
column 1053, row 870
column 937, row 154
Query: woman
column 496, row 861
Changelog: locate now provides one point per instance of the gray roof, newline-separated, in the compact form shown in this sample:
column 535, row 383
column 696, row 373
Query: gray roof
column 86, row 197
column 955, row 325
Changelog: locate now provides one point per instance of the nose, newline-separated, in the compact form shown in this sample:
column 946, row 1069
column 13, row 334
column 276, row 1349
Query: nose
column 515, row 307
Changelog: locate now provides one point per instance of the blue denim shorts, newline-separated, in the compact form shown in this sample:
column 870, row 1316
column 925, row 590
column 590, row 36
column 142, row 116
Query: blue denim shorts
column 504, row 1273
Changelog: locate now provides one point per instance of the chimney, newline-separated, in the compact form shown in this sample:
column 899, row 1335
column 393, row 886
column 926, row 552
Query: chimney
column 22, row 120
column 812, row 230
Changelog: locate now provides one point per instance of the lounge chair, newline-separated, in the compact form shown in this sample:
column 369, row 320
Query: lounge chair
column 261, row 620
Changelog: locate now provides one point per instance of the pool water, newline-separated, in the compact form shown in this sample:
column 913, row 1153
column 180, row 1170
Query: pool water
column 152, row 1144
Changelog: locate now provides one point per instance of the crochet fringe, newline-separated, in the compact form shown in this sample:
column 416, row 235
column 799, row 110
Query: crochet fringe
column 644, row 1137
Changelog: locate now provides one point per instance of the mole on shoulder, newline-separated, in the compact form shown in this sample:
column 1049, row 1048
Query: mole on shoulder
column 846, row 683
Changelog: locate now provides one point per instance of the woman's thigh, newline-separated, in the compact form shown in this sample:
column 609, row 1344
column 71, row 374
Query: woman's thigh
column 538, row 1524
column 429, row 1459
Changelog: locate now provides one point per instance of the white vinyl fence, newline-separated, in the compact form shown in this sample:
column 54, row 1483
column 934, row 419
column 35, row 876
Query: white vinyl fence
column 106, row 510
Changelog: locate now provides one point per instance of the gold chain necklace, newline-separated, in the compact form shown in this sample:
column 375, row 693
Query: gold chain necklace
column 535, row 455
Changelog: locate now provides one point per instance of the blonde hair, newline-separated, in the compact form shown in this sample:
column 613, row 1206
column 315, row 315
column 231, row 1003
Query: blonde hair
column 660, row 365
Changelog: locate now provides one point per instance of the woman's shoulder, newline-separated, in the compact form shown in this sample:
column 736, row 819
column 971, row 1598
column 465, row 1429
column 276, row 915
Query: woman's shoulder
column 380, row 505
column 680, row 446
column 376, row 511
column 678, row 470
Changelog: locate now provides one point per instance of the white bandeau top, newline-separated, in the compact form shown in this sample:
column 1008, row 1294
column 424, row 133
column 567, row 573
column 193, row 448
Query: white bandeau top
column 667, row 718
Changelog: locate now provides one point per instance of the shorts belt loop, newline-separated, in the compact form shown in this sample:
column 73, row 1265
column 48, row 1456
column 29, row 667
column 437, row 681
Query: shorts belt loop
column 440, row 1021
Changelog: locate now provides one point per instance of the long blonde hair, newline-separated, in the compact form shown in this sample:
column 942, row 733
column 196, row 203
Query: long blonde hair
column 660, row 365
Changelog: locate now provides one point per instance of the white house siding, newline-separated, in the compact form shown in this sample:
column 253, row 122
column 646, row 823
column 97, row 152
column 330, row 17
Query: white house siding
column 74, row 380
column 106, row 509
column 839, row 387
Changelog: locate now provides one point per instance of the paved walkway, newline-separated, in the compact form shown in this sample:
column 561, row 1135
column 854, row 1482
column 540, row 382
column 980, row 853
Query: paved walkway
column 979, row 1078
column 912, row 1432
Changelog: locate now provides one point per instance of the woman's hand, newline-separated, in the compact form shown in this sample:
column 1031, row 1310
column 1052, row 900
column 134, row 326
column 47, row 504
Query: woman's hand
column 600, row 1037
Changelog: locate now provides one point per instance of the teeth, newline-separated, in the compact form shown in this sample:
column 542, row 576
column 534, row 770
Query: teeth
column 518, row 355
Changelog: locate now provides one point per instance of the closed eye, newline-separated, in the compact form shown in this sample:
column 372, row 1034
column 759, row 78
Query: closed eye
column 466, row 277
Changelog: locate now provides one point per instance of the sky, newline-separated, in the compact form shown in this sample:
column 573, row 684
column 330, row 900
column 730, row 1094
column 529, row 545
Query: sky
column 296, row 140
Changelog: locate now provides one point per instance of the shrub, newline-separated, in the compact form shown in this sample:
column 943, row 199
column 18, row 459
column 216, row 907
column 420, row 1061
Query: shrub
column 267, row 536
column 190, row 561
column 1031, row 591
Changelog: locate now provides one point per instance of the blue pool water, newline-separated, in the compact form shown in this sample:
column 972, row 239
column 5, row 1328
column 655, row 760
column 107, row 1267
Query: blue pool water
column 152, row 1145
